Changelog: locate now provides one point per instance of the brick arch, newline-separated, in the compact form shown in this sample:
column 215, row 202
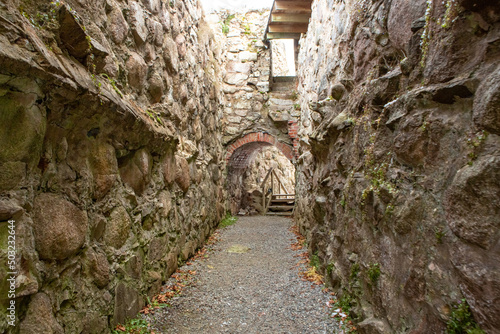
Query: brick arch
column 240, row 153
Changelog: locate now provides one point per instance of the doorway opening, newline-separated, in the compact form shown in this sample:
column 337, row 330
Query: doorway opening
column 250, row 172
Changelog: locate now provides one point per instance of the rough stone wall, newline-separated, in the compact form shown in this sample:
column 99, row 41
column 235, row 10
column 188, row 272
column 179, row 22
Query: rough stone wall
column 279, row 61
column 111, row 161
column 245, row 63
column 400, row 158
column 248, row 106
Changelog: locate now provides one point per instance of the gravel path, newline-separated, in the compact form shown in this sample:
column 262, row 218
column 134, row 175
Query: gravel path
column 255, row 290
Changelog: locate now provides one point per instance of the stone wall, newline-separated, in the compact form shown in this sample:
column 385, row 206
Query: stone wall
column 400, row 158
column 249, row 107
column 112, row 160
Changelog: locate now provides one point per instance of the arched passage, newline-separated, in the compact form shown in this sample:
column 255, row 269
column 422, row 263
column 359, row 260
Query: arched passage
column 240, row 152
column 248, row 159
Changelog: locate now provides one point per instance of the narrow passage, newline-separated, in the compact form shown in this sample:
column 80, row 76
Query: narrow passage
column 249, row 284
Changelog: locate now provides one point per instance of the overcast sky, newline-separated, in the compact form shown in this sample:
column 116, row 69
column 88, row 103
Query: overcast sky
column 210, row 5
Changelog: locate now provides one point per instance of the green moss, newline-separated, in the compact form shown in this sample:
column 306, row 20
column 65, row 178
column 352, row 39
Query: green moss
column 451, row 14
column 329, row 268
column 461, row 320
column 374, row 272
column 354, row 272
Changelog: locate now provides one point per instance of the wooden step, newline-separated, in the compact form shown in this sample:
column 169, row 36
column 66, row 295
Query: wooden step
column 280, row 207
column 289, row 213
column 283, row 200
column 274, row 195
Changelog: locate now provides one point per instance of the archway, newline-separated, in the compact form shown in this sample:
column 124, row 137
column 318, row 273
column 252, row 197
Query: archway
column 249, row 160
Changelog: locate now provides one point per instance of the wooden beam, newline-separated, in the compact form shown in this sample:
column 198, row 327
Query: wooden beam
column 297, row 27
column 292, row 6
column 291, row 18
column 282, row 35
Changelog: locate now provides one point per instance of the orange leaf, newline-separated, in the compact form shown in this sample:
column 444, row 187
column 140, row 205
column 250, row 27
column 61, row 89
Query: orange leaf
column 121, row 328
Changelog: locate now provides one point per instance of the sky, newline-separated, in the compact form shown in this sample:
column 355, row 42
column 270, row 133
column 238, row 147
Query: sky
column 210, row 5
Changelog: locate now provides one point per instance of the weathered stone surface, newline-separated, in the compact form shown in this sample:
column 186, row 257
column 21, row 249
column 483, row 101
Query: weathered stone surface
column 138, row 23
column 473, row 202
column 248, row 56
column 137, row 71
column 170, row 55
column 118, row 27
column 117, row 227
column 152, row 5
column 72, row 35
column 59, row 227
column 39, row 317
column 238, row 79
column 182, row 177
column 239, row 67
column 156, row 88
column 487, row 103
column 8, row 208
column 13, row 173
column 104, row 169
column 98, row 267
column 180, row 40
column 401, row 156
column 401, row 16
column 128, row 302
column 136, row 170
column 169, row 168
column 70, row 134
column 24, row 126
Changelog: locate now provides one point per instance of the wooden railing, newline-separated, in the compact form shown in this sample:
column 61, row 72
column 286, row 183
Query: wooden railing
column 273, row 186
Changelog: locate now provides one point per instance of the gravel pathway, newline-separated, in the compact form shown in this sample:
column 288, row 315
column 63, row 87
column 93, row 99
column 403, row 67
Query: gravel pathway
column 248, row 284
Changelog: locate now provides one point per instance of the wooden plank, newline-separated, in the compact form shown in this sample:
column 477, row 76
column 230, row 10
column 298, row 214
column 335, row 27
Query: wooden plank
column 288, row 213
column 294, row 28
column 292, row 18
column 292, row 6
column 282, row 35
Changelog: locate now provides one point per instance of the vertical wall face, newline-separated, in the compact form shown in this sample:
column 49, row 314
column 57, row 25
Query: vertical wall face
column 111, row 156
column 248, row 104
column 400, row 158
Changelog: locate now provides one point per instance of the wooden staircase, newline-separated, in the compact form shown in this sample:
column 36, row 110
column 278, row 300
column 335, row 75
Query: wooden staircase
column 276, row 198
column 281, row 205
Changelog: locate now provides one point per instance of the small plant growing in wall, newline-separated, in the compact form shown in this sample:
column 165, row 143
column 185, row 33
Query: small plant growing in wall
column 474, row 142
column 374, row 272
column 225, row 24
column 314, row 261
column 354, row 271
column 439, row 233
column 389, row 209
column 461, row 320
